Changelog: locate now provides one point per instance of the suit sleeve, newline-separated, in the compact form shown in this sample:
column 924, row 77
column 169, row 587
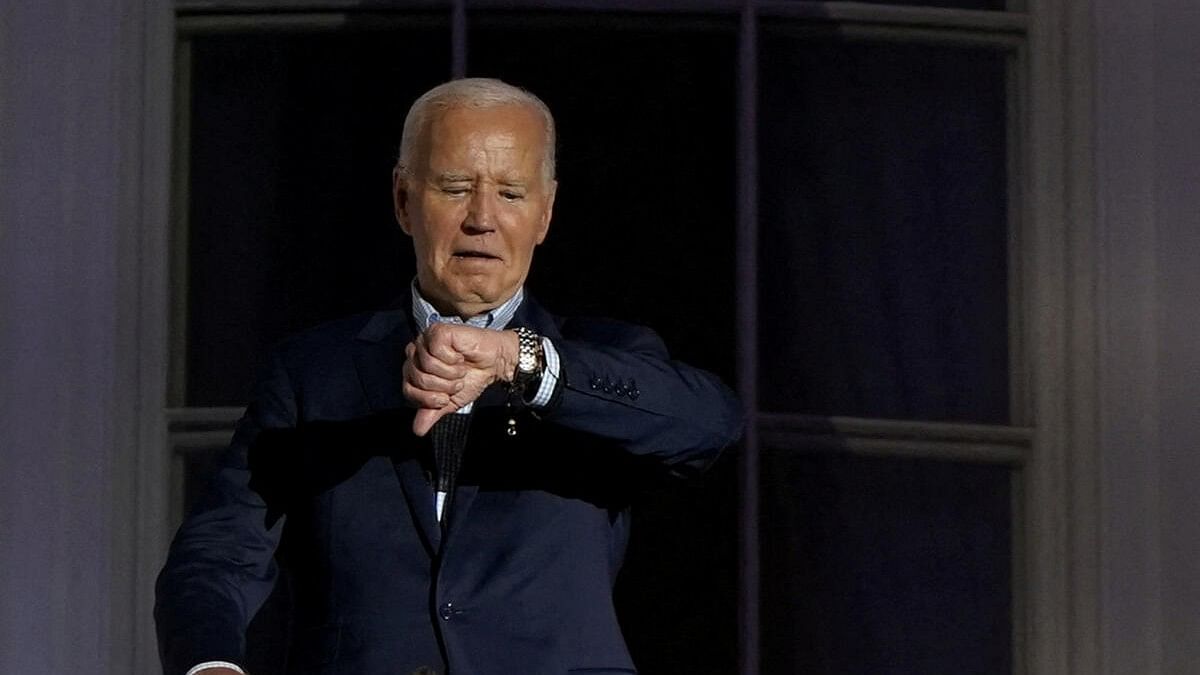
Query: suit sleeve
column 620, row 384
column 221, row 568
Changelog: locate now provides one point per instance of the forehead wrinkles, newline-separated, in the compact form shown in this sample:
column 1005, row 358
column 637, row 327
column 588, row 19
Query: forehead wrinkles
column 511, row 135
column 498, row 155
column 492, row 146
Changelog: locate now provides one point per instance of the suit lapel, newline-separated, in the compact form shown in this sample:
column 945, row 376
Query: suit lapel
column 379, row 361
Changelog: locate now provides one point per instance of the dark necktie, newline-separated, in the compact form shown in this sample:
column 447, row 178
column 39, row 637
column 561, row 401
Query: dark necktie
column 449, row 439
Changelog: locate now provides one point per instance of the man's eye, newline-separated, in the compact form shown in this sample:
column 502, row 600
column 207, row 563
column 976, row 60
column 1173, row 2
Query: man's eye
column 512, row 196
column 457, row 191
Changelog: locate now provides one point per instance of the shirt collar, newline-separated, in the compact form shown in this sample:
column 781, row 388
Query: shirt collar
column 425, row 315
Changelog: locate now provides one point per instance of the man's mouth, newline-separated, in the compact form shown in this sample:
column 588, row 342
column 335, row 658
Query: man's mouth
column 475, row 255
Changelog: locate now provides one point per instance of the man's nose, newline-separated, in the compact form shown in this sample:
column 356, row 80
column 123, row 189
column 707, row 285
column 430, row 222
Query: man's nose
column 480, row 216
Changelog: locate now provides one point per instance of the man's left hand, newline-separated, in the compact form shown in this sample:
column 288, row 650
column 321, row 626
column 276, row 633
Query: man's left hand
column 450, row 365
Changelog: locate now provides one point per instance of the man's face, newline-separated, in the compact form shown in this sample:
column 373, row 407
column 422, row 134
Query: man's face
column 476, row 204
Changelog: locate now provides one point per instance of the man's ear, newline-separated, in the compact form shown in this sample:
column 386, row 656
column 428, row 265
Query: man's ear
column 548, row 212
column 400, row 199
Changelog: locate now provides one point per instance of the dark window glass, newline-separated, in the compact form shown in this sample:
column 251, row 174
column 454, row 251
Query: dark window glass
column 676, row 596
column 293, row 138
column 883, row 230
column 994, row 5
column 881, row 565
column 644, row 230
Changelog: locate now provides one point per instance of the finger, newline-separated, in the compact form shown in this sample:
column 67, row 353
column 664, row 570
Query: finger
column 434, row 359
column 426, row 418
column 439, row 341
column 430, row 382
column 426, row 399
column 428, row 363
column 470, row 342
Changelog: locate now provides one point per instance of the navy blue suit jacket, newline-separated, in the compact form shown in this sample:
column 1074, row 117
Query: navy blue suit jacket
column 325, row 476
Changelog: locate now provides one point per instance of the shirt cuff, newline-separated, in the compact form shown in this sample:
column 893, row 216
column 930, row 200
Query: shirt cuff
column 550, row 376
column 196, row 669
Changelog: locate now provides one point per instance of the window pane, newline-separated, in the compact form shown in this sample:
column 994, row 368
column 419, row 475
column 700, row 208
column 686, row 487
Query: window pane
column 293, row 138
column 882, row 565
column 883, row 230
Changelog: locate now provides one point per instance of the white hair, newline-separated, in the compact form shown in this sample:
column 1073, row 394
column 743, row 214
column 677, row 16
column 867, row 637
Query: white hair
column 471, row 92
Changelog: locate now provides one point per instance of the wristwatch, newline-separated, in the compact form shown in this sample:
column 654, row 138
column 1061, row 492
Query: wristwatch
column 531, row 361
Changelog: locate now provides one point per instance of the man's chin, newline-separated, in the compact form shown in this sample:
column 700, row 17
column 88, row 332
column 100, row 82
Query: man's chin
column 469, row 300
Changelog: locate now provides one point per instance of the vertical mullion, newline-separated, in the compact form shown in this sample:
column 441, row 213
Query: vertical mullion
column 180, row 199
column 747, row 338
column 458, row 39
column 1020, row 398
column 1018, row 573
column 1020, row 402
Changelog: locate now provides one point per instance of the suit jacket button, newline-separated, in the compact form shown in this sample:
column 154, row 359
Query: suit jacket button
column 595, row 382
column 634, row 393
column 447, row 611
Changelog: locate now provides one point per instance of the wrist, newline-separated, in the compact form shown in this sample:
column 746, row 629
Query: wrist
column 510, row 349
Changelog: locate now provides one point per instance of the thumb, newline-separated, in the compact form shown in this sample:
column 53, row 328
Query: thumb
column 426, row 418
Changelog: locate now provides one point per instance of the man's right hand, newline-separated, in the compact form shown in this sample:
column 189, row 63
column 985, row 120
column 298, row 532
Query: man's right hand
column 450, row 365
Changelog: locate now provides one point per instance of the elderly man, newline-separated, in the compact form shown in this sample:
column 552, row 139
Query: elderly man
column 490, row 545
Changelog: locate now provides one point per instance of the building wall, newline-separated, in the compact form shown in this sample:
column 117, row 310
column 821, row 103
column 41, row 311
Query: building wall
column 1177, row 217
column 74, row 352
column 58, row 334
column 1148, row 170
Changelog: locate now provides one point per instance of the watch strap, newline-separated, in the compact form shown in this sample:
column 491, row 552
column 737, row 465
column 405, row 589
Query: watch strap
column 531, row 360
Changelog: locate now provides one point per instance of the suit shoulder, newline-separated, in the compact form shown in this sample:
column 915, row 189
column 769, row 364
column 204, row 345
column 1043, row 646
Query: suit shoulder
column 613, row 332
column 591, row 326
column 322, row 339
